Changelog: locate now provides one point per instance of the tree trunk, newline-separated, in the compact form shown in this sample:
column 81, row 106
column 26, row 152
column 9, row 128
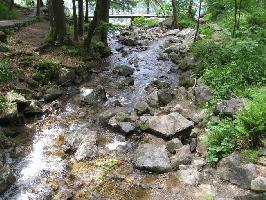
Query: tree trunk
column 235, row 21
column 87, row 11
column 198, row 22
column 101, row 14
column 190, row 7
column 59, row 20
column 41, row 3
column 175, row 14
column 51, row 17
column 11, row 5
column 239, row 14
column 148, row 6
column 75, row 20
column 81, row 18
column 38, row 11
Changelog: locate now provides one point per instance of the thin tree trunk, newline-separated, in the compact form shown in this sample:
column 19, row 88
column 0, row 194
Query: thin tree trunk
column 105, row 20
column 235, row 21
column 148, row 6
column 190, row 7
column 239, row 14
column 11, row 5
column 51, row 17
column 81, row 18
column 87, row 11
column 198, row 22
column 38, row 11
column 175, row 14
column 41, row 3
column 75, row 20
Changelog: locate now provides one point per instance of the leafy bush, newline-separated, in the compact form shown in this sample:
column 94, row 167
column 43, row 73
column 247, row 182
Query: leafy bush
column 246, row 131
column 5, row 12
column 6, row 72
column 142, row 21
column 249, row 156
column 46, row 70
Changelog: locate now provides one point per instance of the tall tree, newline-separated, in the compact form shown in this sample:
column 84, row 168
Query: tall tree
column 75, row 20
column 87, row 11
column 38, row 9
column 175, row 13
column 235, row 20
column 190, row 4
column 59, row 21
column 81, row 18
column 11, row 4
column 97, row 26
column 148, row 6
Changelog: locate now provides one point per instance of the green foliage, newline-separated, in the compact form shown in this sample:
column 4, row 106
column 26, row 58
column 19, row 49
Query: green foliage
column 142, row 21
column 2, row 102
column 246, row 131
column 99, row 50
column 186, row 21
column 6, row 13
column 46, row 70
column 6, row 72
column 249, row 156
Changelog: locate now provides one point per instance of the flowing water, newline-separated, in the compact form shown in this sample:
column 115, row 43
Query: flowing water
column 36, row 171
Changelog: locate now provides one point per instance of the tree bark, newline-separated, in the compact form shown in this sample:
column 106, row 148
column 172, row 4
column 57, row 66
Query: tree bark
column 198, row 22
column 87, row 11
column 239, row 14
column 148, row 6
column 59, row 20
column 11, row 5
column 38, row 9
column 75, row 20
column 81, row 18
column 41, row 3
column 51, row 17
column 175, row 14
column 190, row 7
column 235, row 21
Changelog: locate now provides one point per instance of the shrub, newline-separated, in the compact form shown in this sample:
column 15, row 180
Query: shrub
column 6, row 72
column 142, row 21
column 5, row 12
column 46, row 70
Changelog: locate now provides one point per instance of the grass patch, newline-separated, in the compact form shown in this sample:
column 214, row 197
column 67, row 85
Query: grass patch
column 145, row 22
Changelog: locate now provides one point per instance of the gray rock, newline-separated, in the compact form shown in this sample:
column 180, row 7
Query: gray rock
column 159, row 84
column 199, row 163
column 182, row 157
column 142, row 108
column 52, row 93
column 64, row 194
column 231, row 170
column 10, row 116
column 127, row 127
column 174, row 145
column 175, row 58
column 229, row 107
column 165, row 96
column 152, row 158
column 4, row 47
column 202, row 94
column 153, row 100
column 168, row 126
column 87, row 150
column 186, row 80
column 66, row 77
column 123, row 70
column 189, row 175
column 98, row 96
column 7, row 178
column 105, row 116
column 259, row 184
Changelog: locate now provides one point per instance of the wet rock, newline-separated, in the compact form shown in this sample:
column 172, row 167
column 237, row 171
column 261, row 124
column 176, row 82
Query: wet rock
column 127, row 81
column 189, row 175
column 231, row 170
column 64, row 194
column 123, row 70
column 7, row 178
column 165, row 96
column 4, row 47
column 153, row 100
column 174, row 145
column 229, row 107
column 162, row 56
column 66, row 77
column 10, row 116
column 32, row 110
column 127, row 127
column 52, row 93
column 187, row 32
column 202, row 94
column 168, row 126
column 142, row 108
column 172, row 32
column 183, row 156
column 159, row 84
column 186, row 80
column 174, row 69
column 87, row 150
column 259, row 184
column 199, row 163
column 98, row 96
column 105, row 116
column 152, row 158
column 118, row 118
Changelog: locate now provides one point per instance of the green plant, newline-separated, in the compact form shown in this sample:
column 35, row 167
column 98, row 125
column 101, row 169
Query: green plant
column 142, row 21
column 249, row 155
column 6, row 72
column 6, row 13
column 46, row 70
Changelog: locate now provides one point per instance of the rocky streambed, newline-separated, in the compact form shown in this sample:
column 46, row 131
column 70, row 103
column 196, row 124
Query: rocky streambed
column 132, row 130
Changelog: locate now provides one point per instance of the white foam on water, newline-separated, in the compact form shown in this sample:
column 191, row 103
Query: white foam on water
column 85, row 91
column 113, row 145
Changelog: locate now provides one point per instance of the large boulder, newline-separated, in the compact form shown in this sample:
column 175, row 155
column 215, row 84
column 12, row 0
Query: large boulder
column 142, row 108
column 123, row 70
column 152, row 158
column 189, row 175
column 230, row 169
column 229, row 107
column 202, row 94
column 183, row 156
column 168, row 126
column 105, row 116
column 186, row 80
column 7, row 178
column 153, row 99
column 165, row 96
column 259, row 184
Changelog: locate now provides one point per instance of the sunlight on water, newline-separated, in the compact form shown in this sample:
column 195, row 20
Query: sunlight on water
column 113, row 145
column 85, row 91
